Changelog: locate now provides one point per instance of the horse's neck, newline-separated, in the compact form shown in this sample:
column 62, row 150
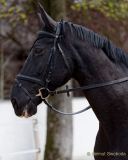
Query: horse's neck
column 96, row 67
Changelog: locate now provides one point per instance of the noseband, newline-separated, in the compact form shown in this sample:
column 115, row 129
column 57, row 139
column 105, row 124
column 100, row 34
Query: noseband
column 44, row 92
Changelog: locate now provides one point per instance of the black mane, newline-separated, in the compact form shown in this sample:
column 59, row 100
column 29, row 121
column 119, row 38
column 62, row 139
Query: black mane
column 114, row 53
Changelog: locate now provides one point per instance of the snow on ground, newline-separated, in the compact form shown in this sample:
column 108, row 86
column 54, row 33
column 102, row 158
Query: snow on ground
column 17, row 134
column 85, row 129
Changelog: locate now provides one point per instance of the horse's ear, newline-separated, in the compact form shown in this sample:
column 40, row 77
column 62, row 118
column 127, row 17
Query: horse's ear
column 48, row 23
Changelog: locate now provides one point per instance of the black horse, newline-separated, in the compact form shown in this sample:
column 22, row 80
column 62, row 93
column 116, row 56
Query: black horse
column 63, row 51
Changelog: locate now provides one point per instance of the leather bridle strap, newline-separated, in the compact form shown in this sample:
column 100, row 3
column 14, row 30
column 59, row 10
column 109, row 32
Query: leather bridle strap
column 87, row 88
column 29, row 79
column 48, row 72
column 50, row 65
column 90, row 87
column 64, row 113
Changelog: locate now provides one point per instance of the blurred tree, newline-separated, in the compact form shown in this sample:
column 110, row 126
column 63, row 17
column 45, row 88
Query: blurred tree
column 17, row 33
column 15, row 11
column 1, row 73
column 59, row 128
column 113, row 26
column 116, row 9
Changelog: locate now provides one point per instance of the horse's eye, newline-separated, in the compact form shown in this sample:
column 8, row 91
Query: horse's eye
column 37, row 50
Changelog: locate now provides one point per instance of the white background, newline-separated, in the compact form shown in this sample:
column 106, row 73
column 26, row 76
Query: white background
column 17, row 135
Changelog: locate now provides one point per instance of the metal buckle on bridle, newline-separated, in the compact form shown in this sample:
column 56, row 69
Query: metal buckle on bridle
column 43, row 93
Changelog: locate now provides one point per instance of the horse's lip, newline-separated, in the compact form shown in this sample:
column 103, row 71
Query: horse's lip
column 25, row 114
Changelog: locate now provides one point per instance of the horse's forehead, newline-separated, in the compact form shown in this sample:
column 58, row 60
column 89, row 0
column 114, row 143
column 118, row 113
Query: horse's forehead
column 46, row 34
column 44, row 37
column 43, row 41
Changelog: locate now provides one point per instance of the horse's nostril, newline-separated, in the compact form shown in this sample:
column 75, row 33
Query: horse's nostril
column 16, row 107
column 14, row 102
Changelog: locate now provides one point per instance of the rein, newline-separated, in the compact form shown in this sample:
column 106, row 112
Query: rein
column 44, row 92
column 88, row 87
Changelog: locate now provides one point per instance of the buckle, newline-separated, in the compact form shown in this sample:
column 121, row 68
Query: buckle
column 43, row 93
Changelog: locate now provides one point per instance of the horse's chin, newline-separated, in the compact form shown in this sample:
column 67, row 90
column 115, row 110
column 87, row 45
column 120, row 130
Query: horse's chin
column 26, row 114
column 29, row 110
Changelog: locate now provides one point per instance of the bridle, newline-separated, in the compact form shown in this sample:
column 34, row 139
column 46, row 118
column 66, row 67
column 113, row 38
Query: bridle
column 44, row 92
